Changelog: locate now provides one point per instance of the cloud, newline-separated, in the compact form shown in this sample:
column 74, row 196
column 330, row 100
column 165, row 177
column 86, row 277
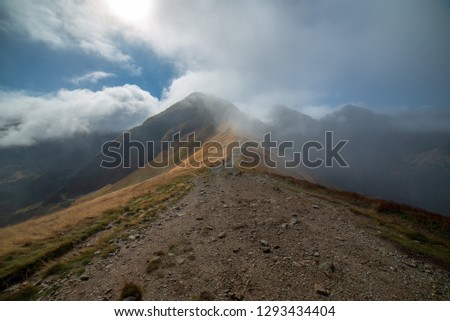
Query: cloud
column 62, row 114
column 81, row 25
column 259, row 53
column 91, row 77
column 306, row 52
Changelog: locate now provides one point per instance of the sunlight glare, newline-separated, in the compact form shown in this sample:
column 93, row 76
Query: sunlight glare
column 130, row 11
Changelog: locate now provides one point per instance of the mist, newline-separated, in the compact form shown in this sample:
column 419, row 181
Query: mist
column 401, row 157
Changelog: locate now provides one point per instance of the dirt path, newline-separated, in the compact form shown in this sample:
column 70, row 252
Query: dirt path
column 244, row 236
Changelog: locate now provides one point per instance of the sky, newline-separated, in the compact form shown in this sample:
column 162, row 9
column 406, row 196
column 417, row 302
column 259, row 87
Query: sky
column 79, row 66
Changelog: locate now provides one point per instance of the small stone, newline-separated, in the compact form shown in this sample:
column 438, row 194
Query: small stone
column 411, row 264
column 84, row 277
column 321, row 290
column 327, row 268
column 222, row 235
column 180, row 260
column 293, row 222
column 236, row 250
column 266, row 249
column 316, row 207
column 264, row 243
column 316, row 254
column 199, row 218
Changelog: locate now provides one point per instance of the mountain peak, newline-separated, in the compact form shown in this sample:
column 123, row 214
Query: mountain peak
column 206, row 101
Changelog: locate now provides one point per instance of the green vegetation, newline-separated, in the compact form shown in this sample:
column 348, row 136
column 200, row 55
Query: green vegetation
column 17, row 265
column 26, row 293
column 27, row 259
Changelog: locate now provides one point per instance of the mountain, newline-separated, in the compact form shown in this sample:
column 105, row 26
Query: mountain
column 30, row 174
column 38, row 179
column 380, row 146
column 230, row 229
column 386, row 159
column 200, row 113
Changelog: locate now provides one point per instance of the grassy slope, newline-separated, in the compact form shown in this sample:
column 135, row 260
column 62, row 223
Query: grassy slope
column 412, row 229
column 32, row 245
column 26, row 247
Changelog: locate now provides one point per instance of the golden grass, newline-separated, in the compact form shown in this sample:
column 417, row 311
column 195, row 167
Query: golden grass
column 25, row 257
column 30, row 245
column 48, row 226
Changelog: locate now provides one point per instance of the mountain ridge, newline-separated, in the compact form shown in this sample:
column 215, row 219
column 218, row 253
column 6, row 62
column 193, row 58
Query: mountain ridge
column 160, row 231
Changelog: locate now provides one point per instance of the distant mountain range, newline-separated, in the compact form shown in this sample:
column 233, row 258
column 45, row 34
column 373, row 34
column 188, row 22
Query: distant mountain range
column 387, row 159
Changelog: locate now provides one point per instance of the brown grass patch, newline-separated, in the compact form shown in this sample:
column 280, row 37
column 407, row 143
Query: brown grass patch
column 25, row 254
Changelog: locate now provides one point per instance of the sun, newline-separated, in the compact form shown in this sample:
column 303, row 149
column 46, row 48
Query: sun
column 129, row 11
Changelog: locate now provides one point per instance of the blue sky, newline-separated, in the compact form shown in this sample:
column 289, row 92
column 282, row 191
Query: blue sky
column 112, row 61
column 36, row 67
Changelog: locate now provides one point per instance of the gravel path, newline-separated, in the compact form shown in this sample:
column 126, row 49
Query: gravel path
column 251, row 237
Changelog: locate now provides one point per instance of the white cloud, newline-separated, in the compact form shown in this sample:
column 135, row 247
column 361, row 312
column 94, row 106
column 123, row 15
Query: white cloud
column 261, row 53
column 302, row 52
column 82, row 25
column 91, row 77
column 67, row 112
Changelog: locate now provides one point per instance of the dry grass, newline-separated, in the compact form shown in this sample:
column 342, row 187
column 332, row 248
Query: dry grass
column 28, row 246
column 57, row 223
column 55, row 234
column 25, row 293
column 131, row 290
column 225, row 137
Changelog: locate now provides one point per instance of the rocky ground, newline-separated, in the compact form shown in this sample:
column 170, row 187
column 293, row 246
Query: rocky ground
column 241, row 236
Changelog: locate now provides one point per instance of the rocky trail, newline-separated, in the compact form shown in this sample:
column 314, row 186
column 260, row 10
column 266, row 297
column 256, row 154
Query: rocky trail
column 242, row 236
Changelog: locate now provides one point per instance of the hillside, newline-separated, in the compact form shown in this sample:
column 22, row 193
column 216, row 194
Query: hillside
column 219, row 232
column 31, row 174
column 234, row 234
column 239, row 235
